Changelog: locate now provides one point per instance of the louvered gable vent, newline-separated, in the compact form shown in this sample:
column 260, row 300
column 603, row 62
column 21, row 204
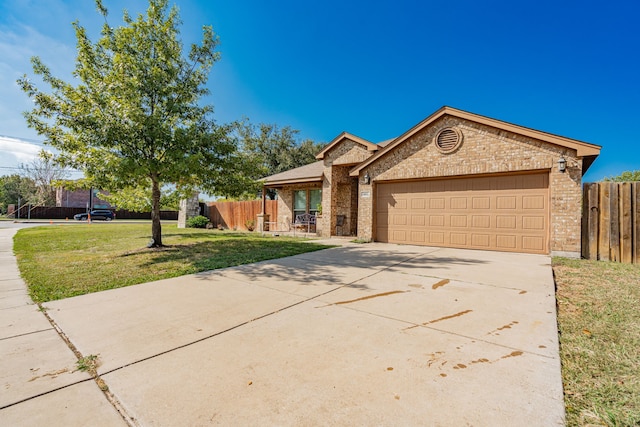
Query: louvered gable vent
column 447, row 140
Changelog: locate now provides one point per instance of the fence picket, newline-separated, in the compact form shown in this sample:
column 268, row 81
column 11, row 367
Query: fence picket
column 635, row 208
column 611, row 221
column 625, row 222
column 234, row 215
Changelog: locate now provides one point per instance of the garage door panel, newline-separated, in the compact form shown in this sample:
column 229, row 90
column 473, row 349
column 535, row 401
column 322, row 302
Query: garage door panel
column 458, row 239
column 399, row 219
column 436, row 238
column 399, row 235
column 533, row 202
column 483, row 202
column 436, row 220
column 509, row 213
column 506, row 242
column 418, row 237
column 418, row 203
column 458, row 221
column 458, row 203
column 506, row 202
column 506, row 222
column 437, row 203
column 533, row 222
column 533, row 243
column 481, row 240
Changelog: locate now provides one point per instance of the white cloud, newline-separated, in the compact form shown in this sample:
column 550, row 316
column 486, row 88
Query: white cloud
column 14, row 152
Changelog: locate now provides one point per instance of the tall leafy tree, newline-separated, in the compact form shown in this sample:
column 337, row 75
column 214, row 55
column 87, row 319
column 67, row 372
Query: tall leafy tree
column 274, row 149
column 625, row 176
column 15, row 188
column 132, row 120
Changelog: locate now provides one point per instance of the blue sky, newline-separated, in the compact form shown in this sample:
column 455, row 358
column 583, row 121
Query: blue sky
column 376, row 68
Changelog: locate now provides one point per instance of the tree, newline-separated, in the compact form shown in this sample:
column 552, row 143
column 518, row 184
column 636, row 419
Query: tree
column 625, row 176
column 14, row 188
column 133, row 120
column 45, row 175
column 274, row 149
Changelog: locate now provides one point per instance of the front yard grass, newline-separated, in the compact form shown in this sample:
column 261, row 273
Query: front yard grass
column 599, row 323
column 63, row 261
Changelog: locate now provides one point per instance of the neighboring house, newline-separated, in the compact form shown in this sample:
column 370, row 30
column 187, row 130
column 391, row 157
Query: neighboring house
column 456, row 179
column 87, row 199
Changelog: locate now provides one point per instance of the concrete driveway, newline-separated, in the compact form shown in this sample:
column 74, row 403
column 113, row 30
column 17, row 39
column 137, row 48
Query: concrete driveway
column 372, row 334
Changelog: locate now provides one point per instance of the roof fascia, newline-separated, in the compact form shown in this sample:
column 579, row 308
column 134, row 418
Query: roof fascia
column 583, row 149
column 292, row 181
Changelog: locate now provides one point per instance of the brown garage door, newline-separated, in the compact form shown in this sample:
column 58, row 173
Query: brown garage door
column 504, row 213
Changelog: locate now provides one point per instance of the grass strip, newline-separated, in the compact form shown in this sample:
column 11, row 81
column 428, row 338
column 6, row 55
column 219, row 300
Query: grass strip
column 68, row 260
column 599, row 324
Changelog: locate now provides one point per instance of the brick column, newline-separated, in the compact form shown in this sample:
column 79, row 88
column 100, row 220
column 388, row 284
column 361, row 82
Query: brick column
column 188, row 209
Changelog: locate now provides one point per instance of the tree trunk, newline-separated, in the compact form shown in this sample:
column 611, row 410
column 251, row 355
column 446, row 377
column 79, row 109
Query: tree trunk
column 156, row 227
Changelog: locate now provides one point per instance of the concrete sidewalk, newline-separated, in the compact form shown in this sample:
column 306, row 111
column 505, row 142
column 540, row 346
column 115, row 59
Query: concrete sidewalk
column 369, row 334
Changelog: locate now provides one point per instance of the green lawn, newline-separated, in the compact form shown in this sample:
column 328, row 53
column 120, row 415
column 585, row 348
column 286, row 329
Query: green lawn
column 67, row 260
column 599, row 323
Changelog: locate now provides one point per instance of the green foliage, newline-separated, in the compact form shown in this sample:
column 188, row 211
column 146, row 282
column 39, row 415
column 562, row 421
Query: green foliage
column 626, row 176
column 197, row 222
column 273, row 149
column 132, row 122
column 138, row 200
column 88, row 363
column 14, row 187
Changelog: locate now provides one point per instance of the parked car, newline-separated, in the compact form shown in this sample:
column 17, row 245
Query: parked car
column 97, row 214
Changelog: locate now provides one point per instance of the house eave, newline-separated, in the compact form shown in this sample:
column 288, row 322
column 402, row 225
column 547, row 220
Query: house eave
column 583, row 149
column 283, row 182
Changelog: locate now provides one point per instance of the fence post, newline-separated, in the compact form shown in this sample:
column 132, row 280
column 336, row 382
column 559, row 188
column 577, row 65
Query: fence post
column 604, row 226
column 590, row 215
column 626, row 230
column 614, row 220
column 635, row 202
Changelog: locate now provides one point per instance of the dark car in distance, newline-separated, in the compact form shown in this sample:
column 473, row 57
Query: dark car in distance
column 96, row 214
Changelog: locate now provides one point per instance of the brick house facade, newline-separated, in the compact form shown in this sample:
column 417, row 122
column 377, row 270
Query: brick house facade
column 456, row 179
column 80, row 199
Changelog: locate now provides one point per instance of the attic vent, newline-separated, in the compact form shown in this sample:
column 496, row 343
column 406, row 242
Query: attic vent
column 448, row 139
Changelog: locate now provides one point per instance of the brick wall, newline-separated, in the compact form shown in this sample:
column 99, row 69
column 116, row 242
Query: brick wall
column 285, row 203
column 484, row 150
column 338, row 188
column 79, row 199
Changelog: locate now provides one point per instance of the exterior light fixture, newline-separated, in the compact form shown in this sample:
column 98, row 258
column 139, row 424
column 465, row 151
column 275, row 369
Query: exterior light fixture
column 562, row 164
column 366, row 178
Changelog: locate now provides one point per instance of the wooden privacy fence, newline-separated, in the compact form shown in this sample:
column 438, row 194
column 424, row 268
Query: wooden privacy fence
column 611, row 221
column 234, row 215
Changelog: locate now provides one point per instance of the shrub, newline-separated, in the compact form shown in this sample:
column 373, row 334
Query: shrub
column 250, row 224
column 197, row 222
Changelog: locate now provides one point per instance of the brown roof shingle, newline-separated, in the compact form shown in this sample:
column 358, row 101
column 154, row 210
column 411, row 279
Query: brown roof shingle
column 308, row 173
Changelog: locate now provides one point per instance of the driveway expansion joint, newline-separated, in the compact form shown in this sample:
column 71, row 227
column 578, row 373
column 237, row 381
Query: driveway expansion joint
column 26, row 333
column 102, row 386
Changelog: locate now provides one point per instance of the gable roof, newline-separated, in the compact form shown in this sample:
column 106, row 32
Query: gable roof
column 345, row 135
column 308, row 173
column 588, row 151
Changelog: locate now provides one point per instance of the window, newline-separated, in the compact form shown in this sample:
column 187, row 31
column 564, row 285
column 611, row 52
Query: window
column 315, row 199
column 306, row 201
column 299, row 202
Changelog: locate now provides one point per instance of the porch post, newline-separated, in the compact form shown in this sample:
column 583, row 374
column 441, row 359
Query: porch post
column 263, row 217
